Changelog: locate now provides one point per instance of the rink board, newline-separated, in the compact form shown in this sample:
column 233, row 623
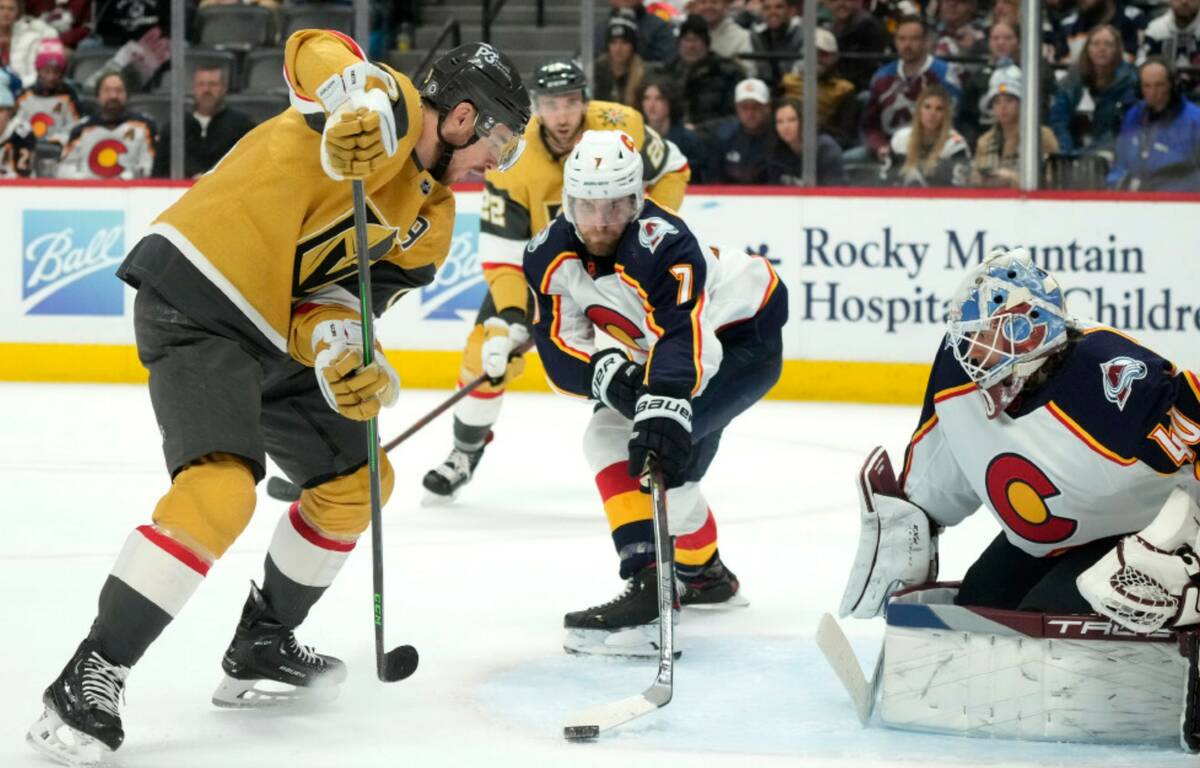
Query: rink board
column 868, row 274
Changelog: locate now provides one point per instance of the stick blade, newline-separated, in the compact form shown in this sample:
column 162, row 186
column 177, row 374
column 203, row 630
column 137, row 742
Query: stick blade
column 837, row 651
column 592, row 722
column 282, row 490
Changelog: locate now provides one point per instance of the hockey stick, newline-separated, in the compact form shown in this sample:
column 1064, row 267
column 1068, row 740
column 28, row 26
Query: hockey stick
column 592, row 722
column 401, row 661
column 285, row 490
column 836, row 648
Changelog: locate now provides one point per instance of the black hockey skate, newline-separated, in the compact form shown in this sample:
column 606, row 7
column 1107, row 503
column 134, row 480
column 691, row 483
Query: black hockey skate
column 265, row 666
column 81, row 724
column 715, row 587
column 443, row 482
column 627, row 625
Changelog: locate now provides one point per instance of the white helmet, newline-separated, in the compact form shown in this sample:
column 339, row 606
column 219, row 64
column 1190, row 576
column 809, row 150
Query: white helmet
column 604, row 165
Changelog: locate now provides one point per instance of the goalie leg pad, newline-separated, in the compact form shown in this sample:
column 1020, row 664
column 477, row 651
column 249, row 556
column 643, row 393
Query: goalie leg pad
column 896, row 547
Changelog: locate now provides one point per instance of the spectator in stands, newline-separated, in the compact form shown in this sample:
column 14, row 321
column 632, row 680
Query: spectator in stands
column 959, row 30
column 9, row 83
column 1175, row 37
column 837, row 104
column 69, row 18
column 897, row 85
column 50, row 107
column 780, row 33
column 1159, row 146
column 740, row 142
column 975, row 114
column 727, row 39
column 20, row 35
column 619, row 71
column 1090, row 14
column 656, row 39
column 17, row 143
column 1089, row 103
column 121, row 21
column 209, row 131
column 929, row 152
column 858, row 32
column 112, row 144
column 785, row 158
column 997, row 152
column 1008, row 11
column 706, row 79
column 659, row 101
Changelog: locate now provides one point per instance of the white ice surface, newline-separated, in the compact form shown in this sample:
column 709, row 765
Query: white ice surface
column 480, row 588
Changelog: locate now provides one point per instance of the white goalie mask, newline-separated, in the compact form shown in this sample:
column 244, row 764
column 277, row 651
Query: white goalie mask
column 605, row 168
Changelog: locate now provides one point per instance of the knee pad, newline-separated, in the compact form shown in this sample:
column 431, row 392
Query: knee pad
column 606, row 439
column 342, row 506
column 209, row 504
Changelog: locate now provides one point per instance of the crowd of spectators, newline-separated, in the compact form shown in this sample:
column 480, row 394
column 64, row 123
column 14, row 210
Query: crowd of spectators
column 924, row 93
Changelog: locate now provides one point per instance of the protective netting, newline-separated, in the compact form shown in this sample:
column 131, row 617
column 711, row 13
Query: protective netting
column 1147, row 605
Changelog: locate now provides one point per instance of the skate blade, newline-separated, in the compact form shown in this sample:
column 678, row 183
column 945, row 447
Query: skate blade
column 60, row 742
column 232, row 693
column 632, row 643
column 737, row 601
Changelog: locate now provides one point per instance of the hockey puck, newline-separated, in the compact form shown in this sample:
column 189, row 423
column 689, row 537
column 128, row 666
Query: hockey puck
column 278, row 488
column 399, row 663
column 581, row 732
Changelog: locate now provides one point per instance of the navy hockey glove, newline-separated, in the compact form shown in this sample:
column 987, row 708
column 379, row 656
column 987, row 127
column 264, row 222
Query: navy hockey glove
column 616, row 382
column 662, row 426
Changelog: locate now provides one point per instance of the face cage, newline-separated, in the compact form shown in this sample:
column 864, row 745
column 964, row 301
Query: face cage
column 989, row 363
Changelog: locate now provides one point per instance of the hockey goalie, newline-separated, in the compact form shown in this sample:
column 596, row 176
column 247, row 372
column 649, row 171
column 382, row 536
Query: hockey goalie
column 1081, row 443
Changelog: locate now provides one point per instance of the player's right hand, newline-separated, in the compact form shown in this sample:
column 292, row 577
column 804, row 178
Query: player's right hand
column 500, row 339
column 356, row 391
column 616, row 381
column 360, row 127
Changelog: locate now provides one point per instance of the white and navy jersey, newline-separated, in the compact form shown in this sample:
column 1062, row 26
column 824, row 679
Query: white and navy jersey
column 1093, row 452
column 50, row 115
column 102, row 149
column 666, row 297
column 17, row 147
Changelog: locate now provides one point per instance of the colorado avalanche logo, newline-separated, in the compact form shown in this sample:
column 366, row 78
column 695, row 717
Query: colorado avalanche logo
column 538, row 239
column 1119, row 375
column 105, row 158
column 652, row 231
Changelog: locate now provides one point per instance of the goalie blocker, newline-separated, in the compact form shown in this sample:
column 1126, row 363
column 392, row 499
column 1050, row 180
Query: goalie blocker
column 1034, row 676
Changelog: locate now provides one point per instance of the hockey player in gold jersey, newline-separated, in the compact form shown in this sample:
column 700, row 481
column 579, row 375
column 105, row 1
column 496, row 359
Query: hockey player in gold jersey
column 517, row 204
column 247, row 319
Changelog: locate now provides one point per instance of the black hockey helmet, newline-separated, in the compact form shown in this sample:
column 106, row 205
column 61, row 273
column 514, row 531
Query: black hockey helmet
column 482, row 75
column 559, row 76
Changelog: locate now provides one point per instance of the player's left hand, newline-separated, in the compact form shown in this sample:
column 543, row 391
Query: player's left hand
column 500, row 339
column 662, row 426
column 356, row 391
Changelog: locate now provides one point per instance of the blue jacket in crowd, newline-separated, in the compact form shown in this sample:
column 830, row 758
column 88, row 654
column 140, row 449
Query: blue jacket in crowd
column 1159, row 151
column 1110, row 105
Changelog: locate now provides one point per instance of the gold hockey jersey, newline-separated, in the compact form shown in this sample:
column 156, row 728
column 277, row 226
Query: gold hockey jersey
column 275, row 235
column 521, row 201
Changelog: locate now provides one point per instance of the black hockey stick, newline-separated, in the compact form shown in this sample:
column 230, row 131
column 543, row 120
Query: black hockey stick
column 285, row 490
column 401, row 661
column 591, row 723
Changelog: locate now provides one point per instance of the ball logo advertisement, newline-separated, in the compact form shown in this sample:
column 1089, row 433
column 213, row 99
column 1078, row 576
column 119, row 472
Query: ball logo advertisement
column 459, row 288
column 69, row 260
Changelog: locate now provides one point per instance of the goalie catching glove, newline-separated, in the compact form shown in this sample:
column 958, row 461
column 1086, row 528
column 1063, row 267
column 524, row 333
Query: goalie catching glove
column 356, row 391
column 360, row 127
column 1151, row 579
column 896, row 547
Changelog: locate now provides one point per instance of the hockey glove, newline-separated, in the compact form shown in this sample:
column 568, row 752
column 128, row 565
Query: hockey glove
column 360, row 127
column 357, row 392
column 662, row 427
column 616, row 382
column 500, row 339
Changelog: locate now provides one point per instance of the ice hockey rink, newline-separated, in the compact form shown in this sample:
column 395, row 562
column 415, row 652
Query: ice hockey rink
column 480, row 588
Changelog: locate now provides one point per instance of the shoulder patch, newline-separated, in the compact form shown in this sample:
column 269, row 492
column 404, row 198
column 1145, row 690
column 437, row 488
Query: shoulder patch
column 652, row 232
column 538, row 239
column 1119, row 374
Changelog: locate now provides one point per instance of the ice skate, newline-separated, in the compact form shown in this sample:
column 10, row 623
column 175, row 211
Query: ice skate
column 81, row 724
column 625, row 626
column 265, row 666
column 715, row 588
column 443, row 482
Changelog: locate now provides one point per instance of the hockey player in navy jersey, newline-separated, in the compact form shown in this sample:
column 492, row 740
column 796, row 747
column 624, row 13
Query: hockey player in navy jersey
column 700, row 342
column 1072, row 436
